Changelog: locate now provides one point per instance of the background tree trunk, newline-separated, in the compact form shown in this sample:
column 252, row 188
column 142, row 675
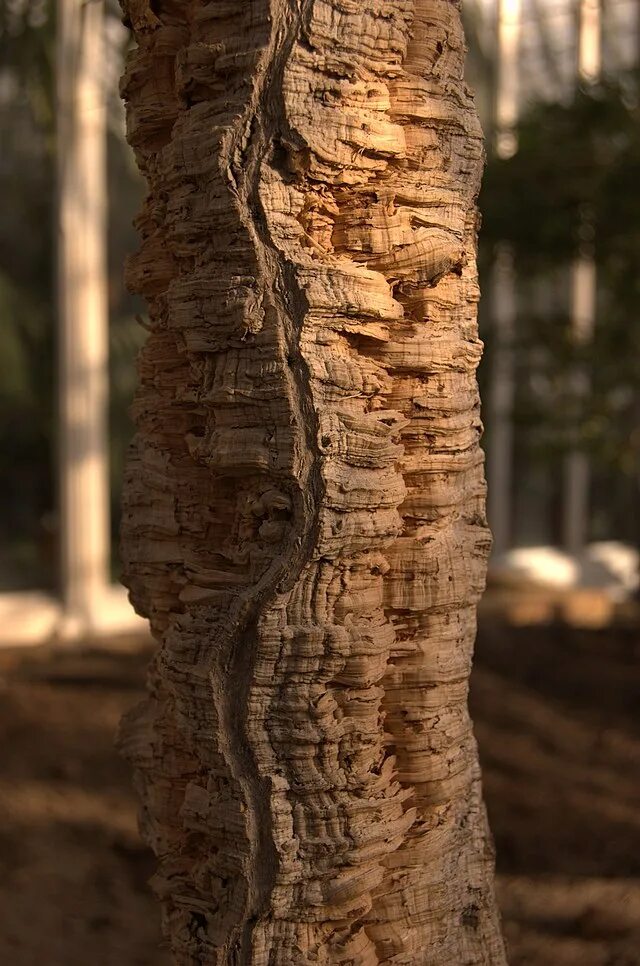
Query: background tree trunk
column 304, row 520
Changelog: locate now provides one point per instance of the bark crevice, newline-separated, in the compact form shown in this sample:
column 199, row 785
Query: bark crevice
column 283, row 294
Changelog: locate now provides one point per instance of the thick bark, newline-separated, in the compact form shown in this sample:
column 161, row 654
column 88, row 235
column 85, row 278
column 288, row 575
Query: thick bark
column 304, row 520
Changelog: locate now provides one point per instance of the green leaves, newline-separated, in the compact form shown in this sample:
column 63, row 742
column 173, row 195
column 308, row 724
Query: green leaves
column 572, row 188
column 570, row 183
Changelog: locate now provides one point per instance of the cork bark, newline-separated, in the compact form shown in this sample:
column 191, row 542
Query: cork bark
column 304, row 516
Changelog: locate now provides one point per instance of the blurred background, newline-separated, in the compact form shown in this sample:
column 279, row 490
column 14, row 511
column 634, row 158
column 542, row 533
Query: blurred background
column 555, row 688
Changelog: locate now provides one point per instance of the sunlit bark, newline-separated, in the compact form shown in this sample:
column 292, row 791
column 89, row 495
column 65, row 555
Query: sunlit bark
column 304, row 521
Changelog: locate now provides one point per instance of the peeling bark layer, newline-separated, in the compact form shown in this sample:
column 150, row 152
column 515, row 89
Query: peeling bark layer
column 304, row 519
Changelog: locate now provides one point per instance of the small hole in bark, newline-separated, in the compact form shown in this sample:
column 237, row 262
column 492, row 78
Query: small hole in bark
column 325, row 440
column 439, row 46
column 470, row 917
column 329, row 97
column 198, row 922
column 280, row 157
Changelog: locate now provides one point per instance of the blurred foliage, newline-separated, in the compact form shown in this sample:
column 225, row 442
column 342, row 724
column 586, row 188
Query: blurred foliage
column 28, row 519
column 571, row 184
column 26, row 289
column 572, row 190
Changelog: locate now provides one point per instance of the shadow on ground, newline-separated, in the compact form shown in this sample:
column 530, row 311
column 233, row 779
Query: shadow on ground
column 555, row 711
column 560, row 744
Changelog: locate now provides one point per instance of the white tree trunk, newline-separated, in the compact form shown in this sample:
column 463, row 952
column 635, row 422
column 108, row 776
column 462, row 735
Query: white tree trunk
column 82, row 313
column 584, row 283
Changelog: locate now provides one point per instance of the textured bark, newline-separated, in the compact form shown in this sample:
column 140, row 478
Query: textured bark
column 304, row 520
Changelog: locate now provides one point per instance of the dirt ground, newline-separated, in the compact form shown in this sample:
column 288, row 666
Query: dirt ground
column 556, row 715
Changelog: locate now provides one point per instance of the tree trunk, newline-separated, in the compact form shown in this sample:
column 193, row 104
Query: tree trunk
column 83, row 317
column 304, row 520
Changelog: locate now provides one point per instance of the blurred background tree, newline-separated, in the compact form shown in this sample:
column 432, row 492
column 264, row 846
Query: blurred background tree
column 571, row 189
column 28, row 519
column 571, row 186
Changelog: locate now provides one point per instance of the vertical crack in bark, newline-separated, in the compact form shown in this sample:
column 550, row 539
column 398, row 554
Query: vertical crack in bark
column 282, row 293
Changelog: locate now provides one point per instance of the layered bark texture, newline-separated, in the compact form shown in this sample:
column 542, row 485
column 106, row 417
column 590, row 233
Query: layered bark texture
column 304, row 519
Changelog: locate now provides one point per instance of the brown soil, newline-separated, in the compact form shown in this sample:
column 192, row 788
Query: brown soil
column 556, row 718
